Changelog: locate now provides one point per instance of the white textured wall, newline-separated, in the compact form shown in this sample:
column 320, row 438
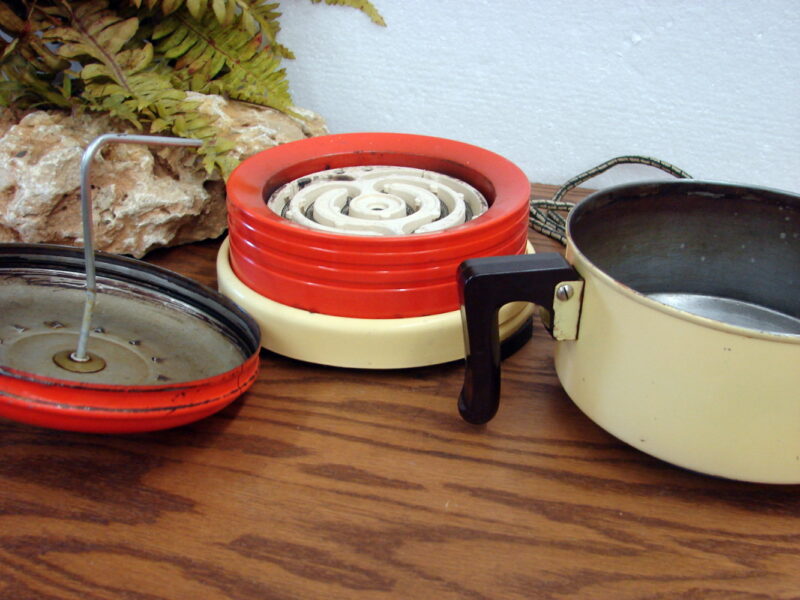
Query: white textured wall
column 559, row 86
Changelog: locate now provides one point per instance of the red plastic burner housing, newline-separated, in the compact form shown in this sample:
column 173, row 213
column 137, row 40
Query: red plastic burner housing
column 369, row 277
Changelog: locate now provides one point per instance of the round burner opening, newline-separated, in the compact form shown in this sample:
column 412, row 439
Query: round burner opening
column 378, row 200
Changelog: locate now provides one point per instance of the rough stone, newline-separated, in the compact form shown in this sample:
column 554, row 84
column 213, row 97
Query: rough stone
column 144, row 197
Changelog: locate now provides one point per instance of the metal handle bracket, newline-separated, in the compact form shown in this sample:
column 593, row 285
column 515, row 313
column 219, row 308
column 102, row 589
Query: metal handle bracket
column 567, row 298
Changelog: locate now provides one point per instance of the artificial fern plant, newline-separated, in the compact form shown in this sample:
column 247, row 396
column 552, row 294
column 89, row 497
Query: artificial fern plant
column 136, row 59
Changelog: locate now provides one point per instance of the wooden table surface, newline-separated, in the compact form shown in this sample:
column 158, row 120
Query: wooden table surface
column 332, row 483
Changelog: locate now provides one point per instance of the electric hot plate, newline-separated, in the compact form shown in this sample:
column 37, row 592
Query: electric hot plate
column 345, row 248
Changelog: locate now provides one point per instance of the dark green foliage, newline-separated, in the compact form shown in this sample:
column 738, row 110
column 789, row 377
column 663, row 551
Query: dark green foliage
column 136, row 59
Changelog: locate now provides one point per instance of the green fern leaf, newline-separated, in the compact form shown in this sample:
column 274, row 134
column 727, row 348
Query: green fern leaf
column 364, row 6
column 196, row 7
column 136, row 60
column 93, row 31
column 113, row 37
column 95, row 70
column 170, row 6
column 211, row 58
column 26, row 43
column 22, row 85
column 220, row 11
column 158, row 125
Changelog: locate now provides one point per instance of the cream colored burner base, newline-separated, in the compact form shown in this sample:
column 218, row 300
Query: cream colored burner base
column 358, row 343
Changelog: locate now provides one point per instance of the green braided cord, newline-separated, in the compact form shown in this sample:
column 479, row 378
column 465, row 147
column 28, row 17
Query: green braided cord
column 544, row 215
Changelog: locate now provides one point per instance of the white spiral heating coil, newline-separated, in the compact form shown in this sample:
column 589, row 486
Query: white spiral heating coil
column 378, row 200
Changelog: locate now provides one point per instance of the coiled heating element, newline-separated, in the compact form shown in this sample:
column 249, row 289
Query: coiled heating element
column 378, row 200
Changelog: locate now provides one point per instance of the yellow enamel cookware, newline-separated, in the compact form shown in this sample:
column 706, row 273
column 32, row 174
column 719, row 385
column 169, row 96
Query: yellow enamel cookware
column 677, row 315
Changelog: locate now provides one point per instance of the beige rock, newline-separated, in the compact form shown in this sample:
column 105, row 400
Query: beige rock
column 144, row 197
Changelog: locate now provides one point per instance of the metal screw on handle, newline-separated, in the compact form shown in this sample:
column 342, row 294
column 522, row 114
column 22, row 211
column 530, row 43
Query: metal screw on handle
column 564, row 292
column 80, row 354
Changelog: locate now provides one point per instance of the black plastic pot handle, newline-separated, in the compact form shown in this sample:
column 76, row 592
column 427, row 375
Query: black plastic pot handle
column 485, row 285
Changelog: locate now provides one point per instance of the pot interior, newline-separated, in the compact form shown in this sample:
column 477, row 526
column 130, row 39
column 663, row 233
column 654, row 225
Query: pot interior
column 727, row 252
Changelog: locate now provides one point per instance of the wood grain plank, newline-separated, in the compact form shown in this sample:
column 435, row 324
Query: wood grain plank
column 335, row 483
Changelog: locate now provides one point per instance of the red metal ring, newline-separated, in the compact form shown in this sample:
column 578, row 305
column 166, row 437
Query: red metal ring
column 72, row 406
column 369, row 276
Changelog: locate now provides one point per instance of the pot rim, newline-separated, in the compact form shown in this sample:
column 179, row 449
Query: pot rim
column 581, row 262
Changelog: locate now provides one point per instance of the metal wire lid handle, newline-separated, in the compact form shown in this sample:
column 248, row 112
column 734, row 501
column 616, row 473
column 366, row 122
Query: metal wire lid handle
column 81, row 355
column 545, row 216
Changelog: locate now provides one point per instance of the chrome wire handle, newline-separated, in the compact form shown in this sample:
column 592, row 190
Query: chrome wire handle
column 80, row 354
column 544, row 215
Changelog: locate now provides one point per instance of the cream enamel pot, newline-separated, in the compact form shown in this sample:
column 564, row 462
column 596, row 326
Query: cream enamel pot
column 677, row 315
